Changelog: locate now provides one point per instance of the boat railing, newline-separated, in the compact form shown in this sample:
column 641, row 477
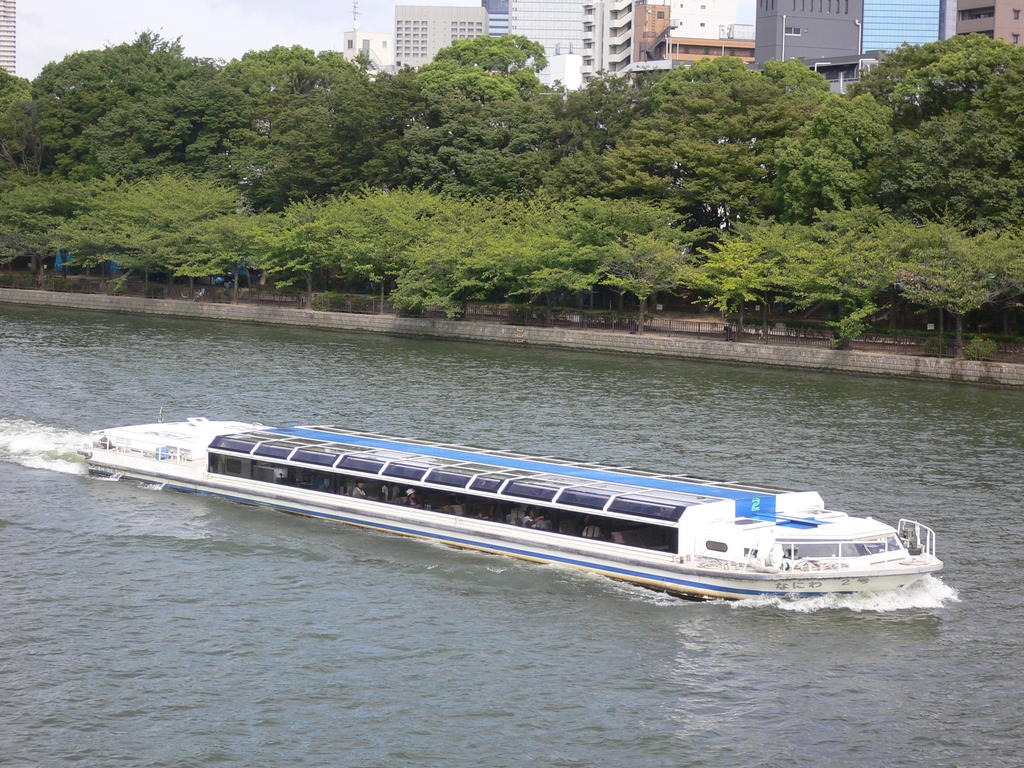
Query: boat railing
column 172, row 453
column 919, row 538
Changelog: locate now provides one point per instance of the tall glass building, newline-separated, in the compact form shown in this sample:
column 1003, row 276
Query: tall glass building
column 8, row 48
column 555, row 24
column 497, row 15
column 890, row 23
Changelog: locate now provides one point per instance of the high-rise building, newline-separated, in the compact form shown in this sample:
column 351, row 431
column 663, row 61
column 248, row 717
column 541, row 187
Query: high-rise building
column 8, row 26
column 1001, row 19
column 888, row 24
column 422, row 30
column 558, row 26
column 812, row 29
column 497, row 16
column 947, row 19
column 616, row 33
column 555, row 24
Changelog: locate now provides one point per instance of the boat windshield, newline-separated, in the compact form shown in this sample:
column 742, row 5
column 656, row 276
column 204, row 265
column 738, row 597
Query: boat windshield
column 834, row 549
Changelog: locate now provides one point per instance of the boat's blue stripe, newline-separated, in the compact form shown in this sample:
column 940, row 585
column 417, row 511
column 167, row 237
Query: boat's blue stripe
column 474, row 543
column 748, row 503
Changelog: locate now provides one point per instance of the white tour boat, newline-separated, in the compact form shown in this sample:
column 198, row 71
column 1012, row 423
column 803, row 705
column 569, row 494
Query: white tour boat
column 697, row 538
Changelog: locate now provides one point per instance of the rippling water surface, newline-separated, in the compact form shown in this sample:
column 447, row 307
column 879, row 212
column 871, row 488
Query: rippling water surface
column 140, row 627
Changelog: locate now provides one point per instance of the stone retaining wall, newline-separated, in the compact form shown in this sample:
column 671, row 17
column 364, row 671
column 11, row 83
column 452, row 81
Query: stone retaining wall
column 1002, row 374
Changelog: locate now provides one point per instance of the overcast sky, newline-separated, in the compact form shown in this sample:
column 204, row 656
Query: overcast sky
column 48, row 30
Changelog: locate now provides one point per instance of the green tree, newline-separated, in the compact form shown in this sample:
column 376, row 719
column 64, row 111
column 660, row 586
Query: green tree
column 465, row 148
column 485, row 69
column 964, row 168
column 708, row 149
column 734, row 272
column 833, row 161
column 844, row 259
column 306, row 127
column 113, row 111
column 13, row 90
column 297, row 245
column 588, row 123
column 942, row 267
column 373, row 232
column 32, row 213
column 453, row 264
column 150, row 225
column 643, row 265
column 922, row 82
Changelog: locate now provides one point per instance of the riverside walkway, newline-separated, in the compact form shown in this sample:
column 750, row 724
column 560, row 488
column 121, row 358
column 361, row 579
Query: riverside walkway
column 809, row 357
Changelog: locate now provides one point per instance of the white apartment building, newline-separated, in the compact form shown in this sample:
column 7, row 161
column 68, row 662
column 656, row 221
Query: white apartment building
column 377, row 47
column 423, row 30
column 607, row 36
column 616, row 32
column 8, row 26
column 702, row 18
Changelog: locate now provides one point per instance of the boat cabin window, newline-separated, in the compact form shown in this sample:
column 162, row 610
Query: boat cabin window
column 589, row 499
column 716, row 546
column 233, row 444
column 407, row 471
column 229, row 465
column 454, row 479
column 315, row 457
column 274, row 451
column 489, row 483
column 643, row 508
column 362, row 464
column 532, row 490
column 520, row 513
column 877, row 547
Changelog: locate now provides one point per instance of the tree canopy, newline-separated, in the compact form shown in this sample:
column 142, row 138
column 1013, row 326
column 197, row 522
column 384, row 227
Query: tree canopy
column 469, row 180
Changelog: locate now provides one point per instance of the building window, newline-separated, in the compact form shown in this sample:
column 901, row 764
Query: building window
column 1016, row 39
column 1016, row 15
column 661, row 14
column 351, row 44
column 793, row 31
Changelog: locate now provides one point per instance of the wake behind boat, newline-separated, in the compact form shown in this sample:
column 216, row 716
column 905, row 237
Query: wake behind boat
column 692, row 537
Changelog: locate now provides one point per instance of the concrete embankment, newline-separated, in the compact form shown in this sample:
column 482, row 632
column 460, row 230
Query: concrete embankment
column 908, row 366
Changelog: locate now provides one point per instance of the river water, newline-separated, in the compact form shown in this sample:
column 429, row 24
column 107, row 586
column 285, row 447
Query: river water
column 141, row 627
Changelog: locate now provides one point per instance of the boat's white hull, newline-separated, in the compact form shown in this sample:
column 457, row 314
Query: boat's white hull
column 652, row 569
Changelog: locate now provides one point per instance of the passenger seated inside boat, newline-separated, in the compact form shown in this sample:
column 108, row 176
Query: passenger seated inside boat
column 411, row 499
column 359, row 490
column 541, row 523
